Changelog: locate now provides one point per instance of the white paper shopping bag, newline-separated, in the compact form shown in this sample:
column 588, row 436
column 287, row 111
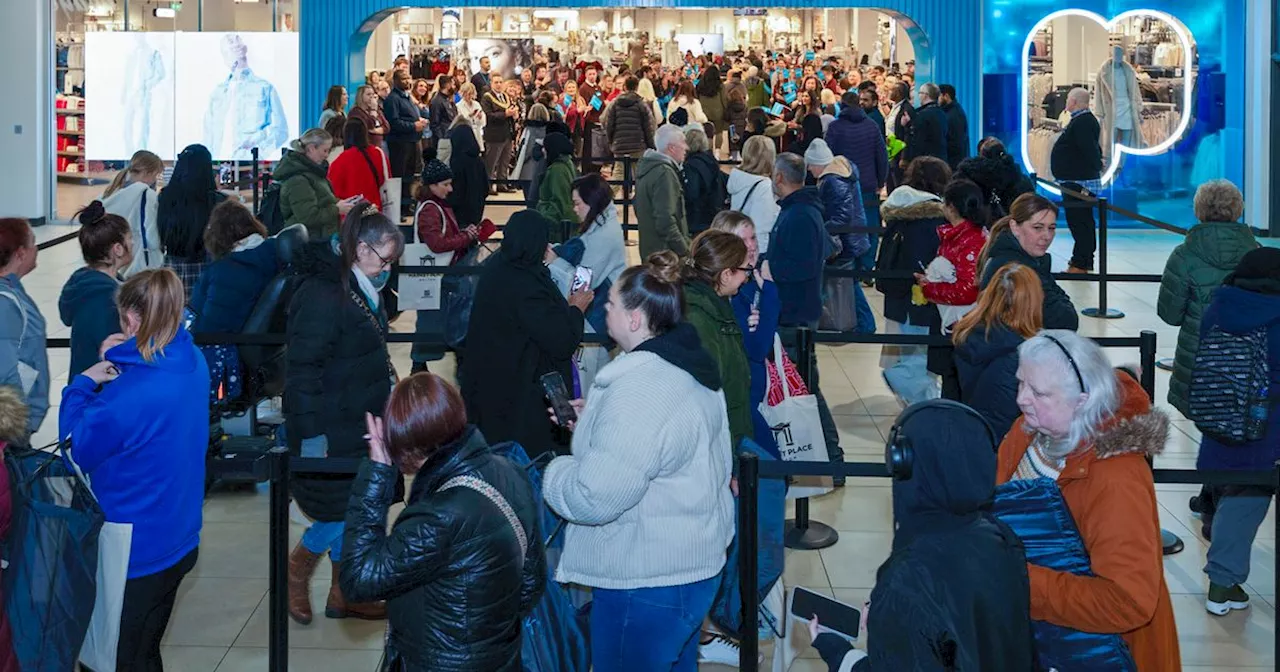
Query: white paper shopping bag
column 797, row 428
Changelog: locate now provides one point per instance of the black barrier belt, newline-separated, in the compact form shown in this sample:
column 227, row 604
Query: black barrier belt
column 59, row 240
column 1090, row 200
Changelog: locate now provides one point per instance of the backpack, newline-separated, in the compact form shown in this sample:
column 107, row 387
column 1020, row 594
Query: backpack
column 269, row 211
column 1230, row 377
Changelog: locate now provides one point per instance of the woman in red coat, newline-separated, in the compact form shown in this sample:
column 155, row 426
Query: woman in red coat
column 360, row 170
column 951, row 280
column 13, row 428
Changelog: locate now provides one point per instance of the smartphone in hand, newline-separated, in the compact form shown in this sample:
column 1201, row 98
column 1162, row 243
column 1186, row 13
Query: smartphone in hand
column 553, row 386
column 581, row 278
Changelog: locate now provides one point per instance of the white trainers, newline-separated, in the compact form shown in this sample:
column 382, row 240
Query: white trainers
column 1222, row 600
column 722, row 651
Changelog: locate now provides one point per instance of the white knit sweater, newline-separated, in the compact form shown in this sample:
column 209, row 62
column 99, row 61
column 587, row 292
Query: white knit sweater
column 646, row 491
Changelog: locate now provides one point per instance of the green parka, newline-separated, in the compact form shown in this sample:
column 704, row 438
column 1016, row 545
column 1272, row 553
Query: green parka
column 1194, row 270
column 306, row 197
column 712, row 316
column 659, row 204
column 555, row 195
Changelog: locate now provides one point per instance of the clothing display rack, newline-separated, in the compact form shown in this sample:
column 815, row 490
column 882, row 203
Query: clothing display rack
column 1040, row 142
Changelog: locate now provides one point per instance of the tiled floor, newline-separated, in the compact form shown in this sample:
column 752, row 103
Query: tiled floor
column 220, row 620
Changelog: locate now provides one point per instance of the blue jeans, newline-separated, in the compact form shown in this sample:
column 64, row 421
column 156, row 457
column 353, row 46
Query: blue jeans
column 649, row 629
column 321, row 537
column 906, row 366
column 862, row 309
column 871, row 207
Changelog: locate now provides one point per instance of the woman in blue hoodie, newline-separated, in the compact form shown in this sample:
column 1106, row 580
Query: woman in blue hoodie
column 88, row 300
column 139, row 428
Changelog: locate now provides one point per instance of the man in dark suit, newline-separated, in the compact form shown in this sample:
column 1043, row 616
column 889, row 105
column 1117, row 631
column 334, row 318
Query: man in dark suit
column 957, row 126
column 1076, row 163
column 481, row 79
column 927, row 129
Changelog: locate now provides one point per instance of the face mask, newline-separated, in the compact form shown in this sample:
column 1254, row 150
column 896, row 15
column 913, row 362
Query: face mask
column 380, row 280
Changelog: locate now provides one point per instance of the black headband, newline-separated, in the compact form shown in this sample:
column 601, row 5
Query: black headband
column 1070, row 360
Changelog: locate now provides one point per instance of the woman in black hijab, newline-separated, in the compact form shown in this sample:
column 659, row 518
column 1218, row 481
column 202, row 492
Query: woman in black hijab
column 183, row 213
column 470, row 178
column 521, row 328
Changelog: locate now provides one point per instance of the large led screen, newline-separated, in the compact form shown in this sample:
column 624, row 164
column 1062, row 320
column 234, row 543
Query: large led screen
column 129, row 80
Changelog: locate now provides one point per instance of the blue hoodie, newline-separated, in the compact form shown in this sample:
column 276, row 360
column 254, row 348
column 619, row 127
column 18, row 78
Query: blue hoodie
column 796, row 256
column 88, row 305
column 142, row 440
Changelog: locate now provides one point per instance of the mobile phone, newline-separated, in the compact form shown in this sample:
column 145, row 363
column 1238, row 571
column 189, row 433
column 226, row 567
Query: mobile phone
column 832, row 614
column 581, row 278
column 553, row 386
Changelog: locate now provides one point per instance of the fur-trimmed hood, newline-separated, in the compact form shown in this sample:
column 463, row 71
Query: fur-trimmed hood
column 13, row 415
column 908, row 203
column 1136, row 428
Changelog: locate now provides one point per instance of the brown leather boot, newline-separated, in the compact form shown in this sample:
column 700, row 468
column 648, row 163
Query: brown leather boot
column 302, row 565
column 338, row 607
column 1076, row 269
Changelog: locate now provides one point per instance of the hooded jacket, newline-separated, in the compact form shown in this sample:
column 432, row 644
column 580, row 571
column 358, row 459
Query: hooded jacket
column 229, row 288
column 13, row 430
column 646, row 491
column 142, row 440
column 712, row 316
column 856, row 137
column 450, row 569
column 629, row 124
column 555, row 189
column 338, row 370
column 987, row 362
column 960, row 244
column 1240, row 309
column 22, row 344
column 1000, row 179
column 912, row 218
column 470, row 179
column 1195, row 269
column 704, row 190
column 1059, row 313
column 752, row 195
column 139, row 204
column 953, row 594
column 796, row 256
column 521, row 328
column 306, row 197
column 88, row 305
column 1107, row 485
column 842, row 205
column 659, row 204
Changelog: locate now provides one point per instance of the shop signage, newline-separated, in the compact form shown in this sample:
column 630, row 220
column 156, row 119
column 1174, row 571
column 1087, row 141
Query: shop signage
column 751, row 11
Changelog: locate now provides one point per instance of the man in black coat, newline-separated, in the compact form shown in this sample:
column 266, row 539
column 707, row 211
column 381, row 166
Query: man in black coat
column 954, row 594
column 481, row 79
column 957, row 126
column 1076, row 162
column 927, row 130
column 404, row 119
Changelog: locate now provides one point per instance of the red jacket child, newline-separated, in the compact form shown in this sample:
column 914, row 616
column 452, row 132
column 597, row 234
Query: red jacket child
column 359, row 172
column 960, row 244
column 438, row 228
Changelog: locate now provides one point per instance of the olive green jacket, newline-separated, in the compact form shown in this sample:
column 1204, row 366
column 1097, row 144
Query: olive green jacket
column 712, row 316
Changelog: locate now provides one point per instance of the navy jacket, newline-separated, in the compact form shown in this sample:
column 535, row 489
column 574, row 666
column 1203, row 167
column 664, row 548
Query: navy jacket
column 1238, row 311
column 229, row 288
column 88, row 306
column 796, row 256
column 401, row 113
column 957, row 134
column 928, row 131
column 842, row 208
column 759, row 346
column 857, row 137
column 1077, row 155
column 142, row 439
column 987, row 362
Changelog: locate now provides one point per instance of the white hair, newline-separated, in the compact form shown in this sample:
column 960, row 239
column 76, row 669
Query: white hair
column 667, row 135
column 1102, row 395
column 1080, row 96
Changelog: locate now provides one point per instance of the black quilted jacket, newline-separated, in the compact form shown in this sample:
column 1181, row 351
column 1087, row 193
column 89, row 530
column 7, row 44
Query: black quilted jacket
column 449, row 570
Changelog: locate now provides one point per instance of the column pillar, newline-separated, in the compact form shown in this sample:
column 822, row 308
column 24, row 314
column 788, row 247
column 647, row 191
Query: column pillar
column 26, row 124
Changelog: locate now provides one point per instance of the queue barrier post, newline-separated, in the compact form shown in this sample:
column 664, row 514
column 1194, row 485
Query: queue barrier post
column 278, row 571
column 628, row 171
column 1147, row 359
column 803, row 533
column 748, row 569
column 255, row 176
column 1102, row 312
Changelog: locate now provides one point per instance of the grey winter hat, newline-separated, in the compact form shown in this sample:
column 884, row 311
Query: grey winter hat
column 818, row 154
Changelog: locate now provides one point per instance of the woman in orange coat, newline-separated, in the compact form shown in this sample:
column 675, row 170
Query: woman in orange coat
column 1091, row 428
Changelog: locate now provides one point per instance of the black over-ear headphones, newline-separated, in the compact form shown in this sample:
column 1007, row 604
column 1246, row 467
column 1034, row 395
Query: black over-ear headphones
column 899, row 456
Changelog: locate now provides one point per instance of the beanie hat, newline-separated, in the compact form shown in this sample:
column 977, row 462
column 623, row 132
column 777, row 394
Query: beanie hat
column 1261, row 265
column 818, row 154
column 436, row 172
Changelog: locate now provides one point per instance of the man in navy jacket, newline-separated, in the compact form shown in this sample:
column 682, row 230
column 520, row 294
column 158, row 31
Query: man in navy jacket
column 928, row 129
column 856, row 137
column 797, row 251
column 406, row 124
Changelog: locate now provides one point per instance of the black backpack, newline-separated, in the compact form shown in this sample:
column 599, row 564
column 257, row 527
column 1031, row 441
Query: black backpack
column 269, row 212
column 1231, row 377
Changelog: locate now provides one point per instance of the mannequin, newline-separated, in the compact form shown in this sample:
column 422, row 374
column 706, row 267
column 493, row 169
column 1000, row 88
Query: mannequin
column 671, row 51
column 1119, row 103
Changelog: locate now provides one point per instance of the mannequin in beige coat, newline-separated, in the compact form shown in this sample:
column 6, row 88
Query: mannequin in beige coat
column 1120, row 122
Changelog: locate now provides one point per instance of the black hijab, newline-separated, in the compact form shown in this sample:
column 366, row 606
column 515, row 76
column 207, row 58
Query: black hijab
column 470, row 179
column 185, row 204
column 524, row 246
column 557, row 145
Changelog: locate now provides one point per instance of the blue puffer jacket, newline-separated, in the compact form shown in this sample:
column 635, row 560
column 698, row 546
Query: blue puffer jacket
column 1038, row 514
column 858, row 138
column 229, row 288
column 842, row 205
column 1236, row 310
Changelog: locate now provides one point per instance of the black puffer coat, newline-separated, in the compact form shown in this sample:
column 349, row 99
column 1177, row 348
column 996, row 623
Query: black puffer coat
column 705, row 188
column 629, row 124
column 1000, row 178
column 450, row 569
column 987, row 363
column 1059, row 312
column 338, row 370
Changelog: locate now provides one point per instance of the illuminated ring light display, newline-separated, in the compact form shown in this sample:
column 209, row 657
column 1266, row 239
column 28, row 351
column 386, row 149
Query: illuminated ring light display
column 1184, row 37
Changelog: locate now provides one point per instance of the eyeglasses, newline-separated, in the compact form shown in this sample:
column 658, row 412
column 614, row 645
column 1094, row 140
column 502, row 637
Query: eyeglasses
column 747, row 269
column 385, row 261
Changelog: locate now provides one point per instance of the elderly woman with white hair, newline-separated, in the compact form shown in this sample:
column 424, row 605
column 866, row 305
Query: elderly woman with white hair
column 659, row 197
column 1090, row 429
column 704, row 182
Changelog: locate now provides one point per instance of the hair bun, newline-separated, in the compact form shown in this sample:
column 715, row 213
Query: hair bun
column 93, row 213
column 664, row 266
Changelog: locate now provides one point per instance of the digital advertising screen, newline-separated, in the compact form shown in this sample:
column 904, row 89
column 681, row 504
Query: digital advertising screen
column 700, row 44
column 129, row 82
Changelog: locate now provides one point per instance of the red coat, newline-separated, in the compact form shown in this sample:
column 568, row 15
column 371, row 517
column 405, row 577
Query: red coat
column 441, row 236
column 350, row 175
column 960, row 244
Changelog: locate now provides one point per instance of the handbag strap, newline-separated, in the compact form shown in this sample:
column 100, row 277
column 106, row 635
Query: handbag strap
column 365, row 153
column 747, row 198
column 142, row 228
column 491, row 493
column 21, row 311
column 377, row 324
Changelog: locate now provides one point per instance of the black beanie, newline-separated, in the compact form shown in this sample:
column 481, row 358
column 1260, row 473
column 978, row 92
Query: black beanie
column 435, row 172
column 557, row 145
column 1262, row 264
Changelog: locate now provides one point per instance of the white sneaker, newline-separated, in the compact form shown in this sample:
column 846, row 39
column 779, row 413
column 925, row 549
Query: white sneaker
column 722, row 651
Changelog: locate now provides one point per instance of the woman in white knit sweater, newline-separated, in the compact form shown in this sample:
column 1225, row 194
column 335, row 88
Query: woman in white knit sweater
column 646, row 491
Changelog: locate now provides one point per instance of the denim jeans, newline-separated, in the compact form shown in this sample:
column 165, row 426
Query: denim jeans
column 649, row 629
column 321, row 537
column 862, row 309
column 906, row 366
column 871, row 207
column 1235, row 525
column 829, row 430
